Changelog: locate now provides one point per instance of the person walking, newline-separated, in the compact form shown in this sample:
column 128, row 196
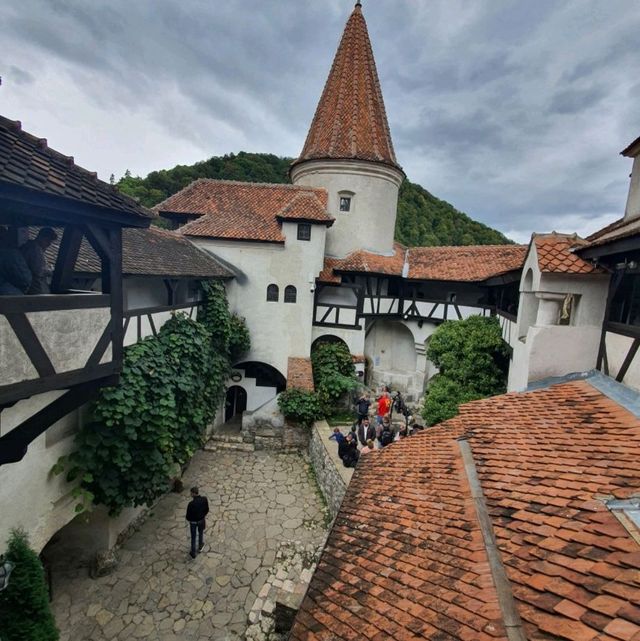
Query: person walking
column 197, row 510
column 387, row 435
column 384, row 406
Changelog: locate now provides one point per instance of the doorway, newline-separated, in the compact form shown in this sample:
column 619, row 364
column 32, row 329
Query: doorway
column 235, row 404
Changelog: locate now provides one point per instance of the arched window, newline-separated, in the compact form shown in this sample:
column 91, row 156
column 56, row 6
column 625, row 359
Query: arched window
column 290, row 294
column 273, row 293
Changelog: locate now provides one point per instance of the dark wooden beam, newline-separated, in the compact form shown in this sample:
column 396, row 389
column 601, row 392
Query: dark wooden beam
column 14, row 444
column 24, row 304
column 101, row 346
column 115, row 289
column 631, row 354
column 31, row 344
column 66, row 261
column 24, row 389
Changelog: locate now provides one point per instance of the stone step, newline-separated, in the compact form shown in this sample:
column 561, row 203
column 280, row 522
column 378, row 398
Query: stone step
column 226, row 438
column 217, row 446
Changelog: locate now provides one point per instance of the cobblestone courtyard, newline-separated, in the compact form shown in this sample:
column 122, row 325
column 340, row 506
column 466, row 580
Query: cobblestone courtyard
column 257, row 500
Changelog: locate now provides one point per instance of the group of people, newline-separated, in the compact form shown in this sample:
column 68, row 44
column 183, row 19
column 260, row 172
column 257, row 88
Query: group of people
column 370, row 435
column 24, row 269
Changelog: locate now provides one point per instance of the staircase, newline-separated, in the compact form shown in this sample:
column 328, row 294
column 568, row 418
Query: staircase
column 224, row 442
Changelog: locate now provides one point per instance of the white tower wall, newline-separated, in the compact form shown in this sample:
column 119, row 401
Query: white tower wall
column 373, row 189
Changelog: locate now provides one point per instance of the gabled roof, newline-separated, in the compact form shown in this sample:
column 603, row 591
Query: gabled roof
column 26, row 161
column 473, row 263
column 407, row 559
column 617, row 230
column 152, row 252
column 350, row 121
column 632, row 150
column 245, row 211
column 556, row 254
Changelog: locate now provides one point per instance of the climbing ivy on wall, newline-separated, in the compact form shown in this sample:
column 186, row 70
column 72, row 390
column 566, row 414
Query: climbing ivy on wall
column 147, row 427
column 333, row 374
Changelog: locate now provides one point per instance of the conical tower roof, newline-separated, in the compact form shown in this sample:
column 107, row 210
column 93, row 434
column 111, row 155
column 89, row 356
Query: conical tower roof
column 351, row 121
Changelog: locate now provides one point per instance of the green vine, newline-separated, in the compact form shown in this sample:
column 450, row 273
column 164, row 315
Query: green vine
column 145, row 429
column 333, row 374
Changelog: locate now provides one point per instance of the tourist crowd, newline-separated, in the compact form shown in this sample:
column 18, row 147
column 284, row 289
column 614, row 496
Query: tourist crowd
column 365, row 435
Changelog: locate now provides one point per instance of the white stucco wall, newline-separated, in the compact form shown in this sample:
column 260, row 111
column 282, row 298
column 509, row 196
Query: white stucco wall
column 617, row 349
column 30, row 496
column 278, row 330
column 371, row 222
column 633, row 200
column 544, row 348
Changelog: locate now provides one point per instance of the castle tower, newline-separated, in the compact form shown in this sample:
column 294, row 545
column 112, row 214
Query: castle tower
column 349, row 151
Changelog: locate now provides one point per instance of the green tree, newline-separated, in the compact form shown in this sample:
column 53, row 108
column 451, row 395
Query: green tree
column 423, row 219
column 300, row 405
column 25, row 614
column 473, row 361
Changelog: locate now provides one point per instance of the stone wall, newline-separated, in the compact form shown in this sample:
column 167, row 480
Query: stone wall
column 333, row 478
column 267, row 429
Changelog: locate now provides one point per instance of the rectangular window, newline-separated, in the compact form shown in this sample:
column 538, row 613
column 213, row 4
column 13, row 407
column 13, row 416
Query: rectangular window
column 304, row 231
column 345, row 203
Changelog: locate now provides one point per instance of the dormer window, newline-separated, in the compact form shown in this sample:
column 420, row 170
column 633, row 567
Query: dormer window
column 304, row 231
column 346, row 201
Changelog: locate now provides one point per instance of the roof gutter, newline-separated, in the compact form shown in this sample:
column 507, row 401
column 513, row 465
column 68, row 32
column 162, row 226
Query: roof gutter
column 510, row 616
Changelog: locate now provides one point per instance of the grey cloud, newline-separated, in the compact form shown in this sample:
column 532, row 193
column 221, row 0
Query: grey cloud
column 513, row 111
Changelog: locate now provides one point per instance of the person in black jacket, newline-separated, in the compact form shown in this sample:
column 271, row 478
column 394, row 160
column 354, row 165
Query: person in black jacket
column 197, row 510
column 366, row 431
column 348, row 451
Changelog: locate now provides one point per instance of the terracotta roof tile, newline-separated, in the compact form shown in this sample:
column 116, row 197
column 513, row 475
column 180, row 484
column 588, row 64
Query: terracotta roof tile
column 473, row 263
column 468, row 263
column 27, row 161
column 406, row 542
column 245, row 211
column 556, row 255
column 151, row 252
column 350, row 121
column 300, row 374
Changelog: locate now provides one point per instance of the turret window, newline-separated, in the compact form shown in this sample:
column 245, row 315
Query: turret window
column 345, row 203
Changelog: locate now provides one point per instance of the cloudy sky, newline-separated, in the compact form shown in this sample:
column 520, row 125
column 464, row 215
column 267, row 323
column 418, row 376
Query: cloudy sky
column 512, row 110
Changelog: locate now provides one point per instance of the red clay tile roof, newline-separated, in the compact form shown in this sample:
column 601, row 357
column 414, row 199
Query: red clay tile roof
column 350, row 121
column 151, row 252
column 300, row 374
column 27, row 161
column 245, row 211
column 632, row 150
column 621, row 228
column 406, row 560
column 473, row 263
column 555, row 254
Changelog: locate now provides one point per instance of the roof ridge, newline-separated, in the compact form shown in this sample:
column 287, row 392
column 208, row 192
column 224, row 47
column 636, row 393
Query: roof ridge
column 255, row 184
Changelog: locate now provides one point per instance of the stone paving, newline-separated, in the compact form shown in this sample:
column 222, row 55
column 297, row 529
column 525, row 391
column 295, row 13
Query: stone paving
column 259, row 502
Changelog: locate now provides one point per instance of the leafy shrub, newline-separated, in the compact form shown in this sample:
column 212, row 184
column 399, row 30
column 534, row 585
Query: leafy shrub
column 24, row 604
column 300, row 405
column 333, row 374
column 473, row 361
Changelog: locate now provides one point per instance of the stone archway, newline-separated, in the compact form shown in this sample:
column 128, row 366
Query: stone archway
column 327, row 338
column 391, row 349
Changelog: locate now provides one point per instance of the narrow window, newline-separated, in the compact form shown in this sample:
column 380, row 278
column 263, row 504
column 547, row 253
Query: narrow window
column 345, row 203
column 273, row 293
column 290, row 294
column 304, row 231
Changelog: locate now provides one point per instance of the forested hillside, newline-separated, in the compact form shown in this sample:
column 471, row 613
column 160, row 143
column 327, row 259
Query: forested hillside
column 423, row 219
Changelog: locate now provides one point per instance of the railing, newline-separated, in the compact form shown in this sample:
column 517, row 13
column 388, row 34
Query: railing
column 509, row 327
column 147, row 321
column 52, row 342
column 333, row 315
